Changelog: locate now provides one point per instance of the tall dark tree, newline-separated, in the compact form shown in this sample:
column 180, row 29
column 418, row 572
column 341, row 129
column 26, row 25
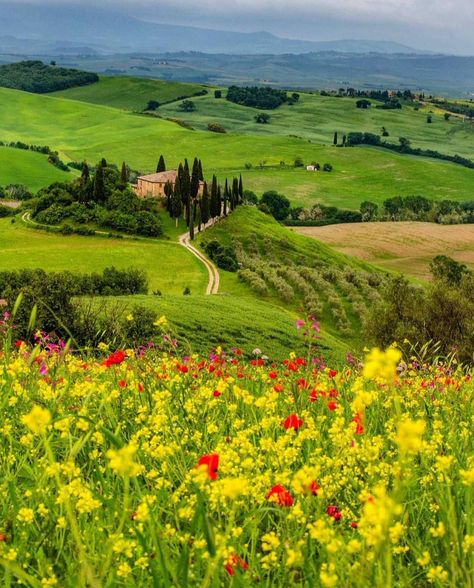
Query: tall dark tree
column 168, row 193
column 85, row 192
column 103, row 162
column 335, row 138
column 98, row 194
column 226, row 196
column 161, row 167
column 214, row 204
column 192, row 219
column 219, row 202
column 124, row 175
column 241, row 190
column 205, row 205
column 185, row 188
column 194, row 186
column 176, row 201
column 85, row 174
column 235, row 193
column 201, row 175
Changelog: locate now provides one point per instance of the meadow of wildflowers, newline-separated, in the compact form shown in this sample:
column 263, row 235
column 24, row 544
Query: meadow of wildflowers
column 147, row 469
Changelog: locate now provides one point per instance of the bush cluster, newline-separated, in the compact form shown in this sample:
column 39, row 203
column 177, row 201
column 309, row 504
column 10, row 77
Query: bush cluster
column 223, row 257
column 36, row 77
column 264, row 97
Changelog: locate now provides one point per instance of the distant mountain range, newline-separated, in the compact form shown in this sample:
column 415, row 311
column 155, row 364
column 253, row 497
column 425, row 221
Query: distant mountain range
column 28, row 29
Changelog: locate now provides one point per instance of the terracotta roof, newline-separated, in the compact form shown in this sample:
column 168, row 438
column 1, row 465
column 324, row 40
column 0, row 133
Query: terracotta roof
column 161, row 178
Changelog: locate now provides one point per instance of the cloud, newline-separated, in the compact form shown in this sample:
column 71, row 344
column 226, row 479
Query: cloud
column 441, row 25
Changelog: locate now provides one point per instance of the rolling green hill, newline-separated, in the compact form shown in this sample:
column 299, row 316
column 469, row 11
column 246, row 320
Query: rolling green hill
column 85, row 131
column 29, row 168
column 130, row 93
column 169, row 266
column 285, row 268
column 317, row 117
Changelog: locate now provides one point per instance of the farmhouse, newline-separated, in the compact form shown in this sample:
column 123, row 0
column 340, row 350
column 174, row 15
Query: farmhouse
column 153, row 185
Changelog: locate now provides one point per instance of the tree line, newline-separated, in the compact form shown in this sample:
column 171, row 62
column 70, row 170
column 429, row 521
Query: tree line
column 39, row 78
column 191, row 196
column 404, row 146
column 260, row 97
column 53, row 156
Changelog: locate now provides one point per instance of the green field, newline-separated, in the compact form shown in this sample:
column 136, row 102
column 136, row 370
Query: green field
column 129, row 93
column 29, row 168
column 169, row 266
column 80, row 130
column 316, row 118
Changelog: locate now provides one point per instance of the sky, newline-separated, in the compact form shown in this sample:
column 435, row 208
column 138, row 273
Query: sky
column 437, row 25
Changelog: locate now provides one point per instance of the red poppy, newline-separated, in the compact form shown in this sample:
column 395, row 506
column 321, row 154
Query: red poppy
column 140, row 387
column 281, row 494
column 278, row 387
column 115, row 359
column 332, row 405
column 293, row 422
column 216, row 393
column 235, row 563
column 273, row 375
column 314, row 487
column 211, row 461
column 122, row 384
column 18, row 343
column 3, row 538
column 332, row 373
column 334, row 512
column 359, row 430
column 354, row 525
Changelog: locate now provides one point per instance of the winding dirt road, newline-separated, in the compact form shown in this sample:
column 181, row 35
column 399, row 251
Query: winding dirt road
column 214, row 278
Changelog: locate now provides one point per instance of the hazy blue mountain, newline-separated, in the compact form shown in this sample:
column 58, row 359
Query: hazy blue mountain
column 37, row 28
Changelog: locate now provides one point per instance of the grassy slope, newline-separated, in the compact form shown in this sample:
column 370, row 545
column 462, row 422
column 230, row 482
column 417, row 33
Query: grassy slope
column 28, row 168
column 129, row 93
column 245, row 322
column 288, row 248
column 88, row 131
column 317, row 117
column 169, row 267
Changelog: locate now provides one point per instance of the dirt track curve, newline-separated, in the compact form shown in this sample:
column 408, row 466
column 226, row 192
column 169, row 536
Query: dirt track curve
column 214, row 278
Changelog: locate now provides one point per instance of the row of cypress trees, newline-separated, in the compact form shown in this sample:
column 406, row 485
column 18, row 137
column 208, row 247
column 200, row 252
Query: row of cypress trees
column 199, row 206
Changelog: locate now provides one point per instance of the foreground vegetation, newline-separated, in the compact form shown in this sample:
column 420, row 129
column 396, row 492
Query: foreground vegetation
column 234, row 472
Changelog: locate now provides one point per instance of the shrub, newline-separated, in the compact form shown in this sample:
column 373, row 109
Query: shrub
column 215, row 127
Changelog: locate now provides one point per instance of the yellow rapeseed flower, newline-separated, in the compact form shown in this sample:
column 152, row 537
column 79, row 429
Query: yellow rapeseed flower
column 37, row 420
column 410, row 436
column 382, row 365
column 121, row 461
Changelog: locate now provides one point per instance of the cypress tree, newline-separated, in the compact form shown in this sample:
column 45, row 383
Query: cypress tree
column 161, row 167
column 194, row 186
column 103, row 163
column 219, row 202
column 98, row 194
column 214, row 206
column 226, row 195
column 85, row 174
column 176, row 201
column 192, row 220
column 241, row 190
column 185, row 184
column 201, row 175
column 335, row 138
column 168, row 193
column 235, row 193
column 205, row 208
column 124, row 175
column 199, row 216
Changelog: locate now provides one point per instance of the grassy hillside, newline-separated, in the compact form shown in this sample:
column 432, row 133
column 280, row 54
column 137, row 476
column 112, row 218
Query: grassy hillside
column 81, row 130
column 29, row 168
column 169, row 266
column 406, row 247
column 285, row 268
column 129, row 93
column 317, row 117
